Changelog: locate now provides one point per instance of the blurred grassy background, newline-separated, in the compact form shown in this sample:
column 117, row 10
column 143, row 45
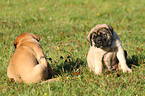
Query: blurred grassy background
column 63, row 26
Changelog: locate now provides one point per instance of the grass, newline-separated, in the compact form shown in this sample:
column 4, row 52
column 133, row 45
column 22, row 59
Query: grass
column 63, row 26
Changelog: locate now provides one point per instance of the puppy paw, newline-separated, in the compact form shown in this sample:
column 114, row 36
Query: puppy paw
column 98, row 72
column 90, row 70
column 127, row 70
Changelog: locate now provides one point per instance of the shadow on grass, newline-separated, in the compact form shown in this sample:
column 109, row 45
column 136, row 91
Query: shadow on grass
column 135, row 60
column 72, row 65
column 68, row 65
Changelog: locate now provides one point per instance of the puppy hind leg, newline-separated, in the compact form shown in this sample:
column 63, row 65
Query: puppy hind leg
column 40, row 56
column 39, row 73
column 43, row 61
column 11, row 73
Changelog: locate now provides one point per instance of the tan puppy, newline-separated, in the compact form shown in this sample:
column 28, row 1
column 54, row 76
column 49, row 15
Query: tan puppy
column 105, row 46
column 28, row 63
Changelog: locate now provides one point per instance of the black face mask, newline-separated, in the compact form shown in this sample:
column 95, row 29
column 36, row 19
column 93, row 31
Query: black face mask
column 103, row 38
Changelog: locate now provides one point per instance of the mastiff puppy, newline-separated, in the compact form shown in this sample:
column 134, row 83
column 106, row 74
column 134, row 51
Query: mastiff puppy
column 105, row 46
column 28, row 64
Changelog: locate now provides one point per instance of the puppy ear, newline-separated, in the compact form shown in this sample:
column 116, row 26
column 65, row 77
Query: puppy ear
column 110, row 29
column 15, row 43
column 36, row 37
column 91, row 37
column 88, row 38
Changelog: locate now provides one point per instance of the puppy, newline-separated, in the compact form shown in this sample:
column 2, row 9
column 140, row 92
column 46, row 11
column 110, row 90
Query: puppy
column 105, row 46
column 28, row 64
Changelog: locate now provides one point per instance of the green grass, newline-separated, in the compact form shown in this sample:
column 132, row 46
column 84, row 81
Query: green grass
column 63, row 26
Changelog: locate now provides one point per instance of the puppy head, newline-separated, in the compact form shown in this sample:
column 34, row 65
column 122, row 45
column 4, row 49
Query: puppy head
column 24, row 36
column 101, row 36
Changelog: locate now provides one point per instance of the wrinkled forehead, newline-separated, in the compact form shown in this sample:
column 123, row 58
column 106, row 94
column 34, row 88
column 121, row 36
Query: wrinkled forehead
column 101, row 30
